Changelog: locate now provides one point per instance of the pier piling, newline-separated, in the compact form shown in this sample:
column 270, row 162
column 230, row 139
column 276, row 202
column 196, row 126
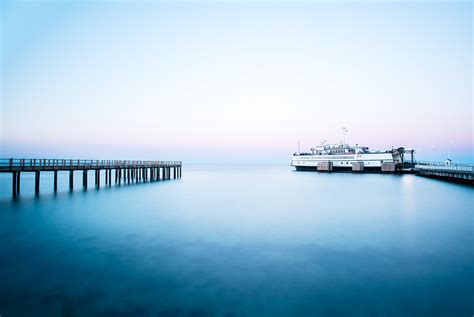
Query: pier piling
column 84, row 179
column 37, row 182
column 71, row 180
column 14, row 181
column 55, row 186
column 18, row 178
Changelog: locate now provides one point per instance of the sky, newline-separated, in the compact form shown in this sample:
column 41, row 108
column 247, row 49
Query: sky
column 240, row 82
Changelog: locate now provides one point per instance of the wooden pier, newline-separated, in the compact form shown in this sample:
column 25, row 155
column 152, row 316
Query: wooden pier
column 461, row 173
column 122, row 170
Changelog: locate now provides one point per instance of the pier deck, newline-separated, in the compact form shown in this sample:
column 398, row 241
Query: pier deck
column 123, row 170
column 463, row 173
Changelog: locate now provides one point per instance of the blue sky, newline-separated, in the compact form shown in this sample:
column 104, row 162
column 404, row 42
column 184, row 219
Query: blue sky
column 234, row 82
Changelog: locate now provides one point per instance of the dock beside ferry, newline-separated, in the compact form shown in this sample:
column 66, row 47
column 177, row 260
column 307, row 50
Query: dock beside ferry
column 461, row 173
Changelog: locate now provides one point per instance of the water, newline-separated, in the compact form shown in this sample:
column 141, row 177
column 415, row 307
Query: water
column 239, row 240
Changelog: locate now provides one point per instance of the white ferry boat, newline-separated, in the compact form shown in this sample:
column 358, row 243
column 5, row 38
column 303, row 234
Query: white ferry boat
column 329, row 157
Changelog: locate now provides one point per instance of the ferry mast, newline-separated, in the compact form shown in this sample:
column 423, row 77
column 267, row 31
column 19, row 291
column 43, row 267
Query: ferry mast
column 344, row 130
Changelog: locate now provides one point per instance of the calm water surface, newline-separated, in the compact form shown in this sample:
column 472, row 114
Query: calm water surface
column 239, row 241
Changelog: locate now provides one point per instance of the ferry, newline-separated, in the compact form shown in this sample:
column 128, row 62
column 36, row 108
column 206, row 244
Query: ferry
column 344, row 157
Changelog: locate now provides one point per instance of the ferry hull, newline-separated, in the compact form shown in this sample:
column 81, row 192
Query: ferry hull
column 340, row 169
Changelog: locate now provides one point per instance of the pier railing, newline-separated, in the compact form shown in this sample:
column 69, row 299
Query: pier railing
column 32, row 164
column 437, row 166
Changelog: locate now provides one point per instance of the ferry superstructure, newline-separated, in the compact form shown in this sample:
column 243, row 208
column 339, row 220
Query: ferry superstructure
column 328, row 157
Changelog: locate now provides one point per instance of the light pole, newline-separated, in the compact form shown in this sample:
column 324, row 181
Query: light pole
column 431, row 147
column 449, row 153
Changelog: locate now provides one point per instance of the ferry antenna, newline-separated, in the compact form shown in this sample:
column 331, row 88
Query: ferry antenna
column 344, row 130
